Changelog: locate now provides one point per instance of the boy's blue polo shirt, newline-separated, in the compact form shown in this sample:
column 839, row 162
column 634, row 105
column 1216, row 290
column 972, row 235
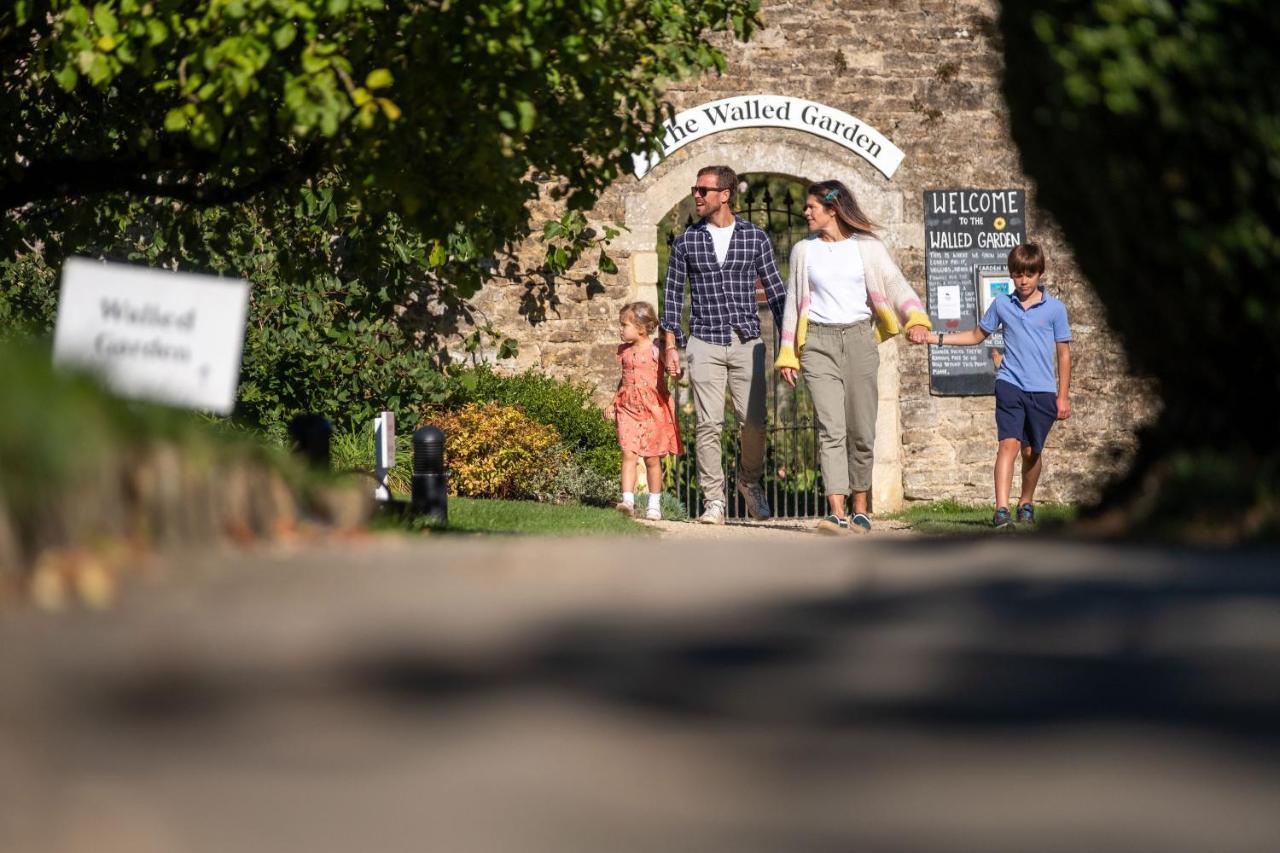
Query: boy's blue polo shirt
column 1029, row 338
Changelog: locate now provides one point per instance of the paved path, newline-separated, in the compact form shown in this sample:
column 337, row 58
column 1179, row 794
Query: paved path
column 746, row 694
column 774, row 530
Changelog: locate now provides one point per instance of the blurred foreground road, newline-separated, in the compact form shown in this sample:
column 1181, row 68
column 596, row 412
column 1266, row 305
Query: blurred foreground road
column 494, row 694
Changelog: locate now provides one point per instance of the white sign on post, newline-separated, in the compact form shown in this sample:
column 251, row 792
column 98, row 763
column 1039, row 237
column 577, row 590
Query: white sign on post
column 153, row 334
column 384, row 452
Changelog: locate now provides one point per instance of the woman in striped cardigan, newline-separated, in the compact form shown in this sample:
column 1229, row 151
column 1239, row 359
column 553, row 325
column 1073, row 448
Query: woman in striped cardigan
column 844, row 295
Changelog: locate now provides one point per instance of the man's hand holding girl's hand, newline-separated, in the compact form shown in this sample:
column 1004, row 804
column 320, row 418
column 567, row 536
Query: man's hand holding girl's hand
column 671, row 358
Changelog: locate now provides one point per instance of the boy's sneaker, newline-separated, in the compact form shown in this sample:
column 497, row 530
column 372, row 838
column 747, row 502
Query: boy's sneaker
column 859, row 523
column 1026, row 514
column 626, row 509
column 834, row 525
column 1001, row 518
column 713, row 514
column 653, row 514
column 757, row 503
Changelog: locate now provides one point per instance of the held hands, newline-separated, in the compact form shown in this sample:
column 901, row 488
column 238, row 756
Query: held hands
column 918, row 334
column 789, row 375
column 611, row 414
column 671, row 358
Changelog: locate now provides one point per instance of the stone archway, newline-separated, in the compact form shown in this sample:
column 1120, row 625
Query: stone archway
column 806, row 158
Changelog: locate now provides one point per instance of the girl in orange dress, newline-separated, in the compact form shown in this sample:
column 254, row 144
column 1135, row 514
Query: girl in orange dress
column 642, row 408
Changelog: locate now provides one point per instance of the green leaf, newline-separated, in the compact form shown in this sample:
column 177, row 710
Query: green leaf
column 67, row 77
column 105, row 19
column 389, row 109
column 379, row 78
column 157, row 32
column 528, row 115
column 175, row 121
column 438, row 256
column 284, row 35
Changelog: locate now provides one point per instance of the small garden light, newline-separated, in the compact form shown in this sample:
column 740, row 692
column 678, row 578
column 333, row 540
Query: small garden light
column 311, row 434
column 430, row 485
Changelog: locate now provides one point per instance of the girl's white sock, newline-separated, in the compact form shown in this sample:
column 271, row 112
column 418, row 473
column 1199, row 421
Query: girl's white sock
column 655, row 500
column 629, row 498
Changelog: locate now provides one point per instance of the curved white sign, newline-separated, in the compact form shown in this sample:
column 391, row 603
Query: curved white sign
column 774, row 111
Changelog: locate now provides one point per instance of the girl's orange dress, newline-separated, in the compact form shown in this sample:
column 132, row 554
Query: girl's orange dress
column 645, row 409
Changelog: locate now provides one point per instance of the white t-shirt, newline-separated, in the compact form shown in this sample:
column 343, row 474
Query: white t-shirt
column 837, row 282
column 720, row 237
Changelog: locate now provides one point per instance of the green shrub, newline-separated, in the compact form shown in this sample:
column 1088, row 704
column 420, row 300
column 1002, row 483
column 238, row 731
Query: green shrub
column 588, row 459
column 574, row 480
column 497, row 451
column 568, row 406
column 28, row 297
column 606, row 461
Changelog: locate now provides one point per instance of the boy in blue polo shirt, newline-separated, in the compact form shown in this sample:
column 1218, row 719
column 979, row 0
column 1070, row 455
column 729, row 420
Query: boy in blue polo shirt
column 1028, row 397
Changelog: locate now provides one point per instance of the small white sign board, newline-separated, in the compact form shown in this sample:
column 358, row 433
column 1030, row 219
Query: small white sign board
column 384, row 452
column 992, row 285
column 152, row 334
column 949, row 302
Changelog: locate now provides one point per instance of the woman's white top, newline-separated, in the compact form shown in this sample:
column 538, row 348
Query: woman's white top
column 837, row 283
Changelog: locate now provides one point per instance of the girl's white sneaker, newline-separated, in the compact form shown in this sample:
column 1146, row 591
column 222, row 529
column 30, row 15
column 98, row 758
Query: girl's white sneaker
column 653, row 514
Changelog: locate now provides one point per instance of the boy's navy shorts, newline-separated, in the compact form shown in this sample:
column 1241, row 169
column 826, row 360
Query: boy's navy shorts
column 1025, row 415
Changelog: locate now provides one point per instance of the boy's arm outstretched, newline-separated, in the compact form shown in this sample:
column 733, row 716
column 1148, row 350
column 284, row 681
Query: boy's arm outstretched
column 1063, row 349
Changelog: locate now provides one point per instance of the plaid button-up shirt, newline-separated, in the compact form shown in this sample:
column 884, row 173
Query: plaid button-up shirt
column 722, row 297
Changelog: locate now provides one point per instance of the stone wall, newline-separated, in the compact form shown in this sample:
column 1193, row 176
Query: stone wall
column 925, row 74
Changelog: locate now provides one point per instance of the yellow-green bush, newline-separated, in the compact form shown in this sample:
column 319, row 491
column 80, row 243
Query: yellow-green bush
column 497, row 451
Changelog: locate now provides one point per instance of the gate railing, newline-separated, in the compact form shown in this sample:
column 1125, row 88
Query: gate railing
column 792, row 480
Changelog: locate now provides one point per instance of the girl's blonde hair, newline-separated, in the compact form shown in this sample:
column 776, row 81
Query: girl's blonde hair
column 642, row 314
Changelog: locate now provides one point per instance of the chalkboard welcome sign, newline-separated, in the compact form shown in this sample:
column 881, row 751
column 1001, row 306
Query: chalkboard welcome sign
column 968, row 235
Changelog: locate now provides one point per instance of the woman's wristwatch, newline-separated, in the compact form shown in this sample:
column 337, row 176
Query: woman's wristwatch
column 939, row 339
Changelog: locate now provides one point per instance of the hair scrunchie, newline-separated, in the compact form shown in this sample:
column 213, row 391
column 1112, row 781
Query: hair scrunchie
column 831, row 196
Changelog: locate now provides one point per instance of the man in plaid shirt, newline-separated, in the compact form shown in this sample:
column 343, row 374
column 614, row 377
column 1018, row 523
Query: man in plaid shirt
column 721, row 258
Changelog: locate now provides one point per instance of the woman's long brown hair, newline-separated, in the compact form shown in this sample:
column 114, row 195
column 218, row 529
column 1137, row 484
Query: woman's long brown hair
column 835, row 197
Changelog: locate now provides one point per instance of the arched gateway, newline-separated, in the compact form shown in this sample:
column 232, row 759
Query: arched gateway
column 805, row 155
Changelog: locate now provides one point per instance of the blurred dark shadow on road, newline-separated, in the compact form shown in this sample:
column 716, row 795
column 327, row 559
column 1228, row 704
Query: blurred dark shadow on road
column 1112, row 693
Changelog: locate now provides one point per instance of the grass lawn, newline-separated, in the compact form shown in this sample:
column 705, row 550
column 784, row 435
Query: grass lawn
column 951, row 518
column 471, row 515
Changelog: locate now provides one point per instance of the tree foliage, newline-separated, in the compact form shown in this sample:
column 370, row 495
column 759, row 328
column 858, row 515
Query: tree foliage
column 361, row 163
column 436, row 110
column 1152, row 129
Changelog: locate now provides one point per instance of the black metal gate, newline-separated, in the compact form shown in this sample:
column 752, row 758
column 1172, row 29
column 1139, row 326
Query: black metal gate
column 792, row 480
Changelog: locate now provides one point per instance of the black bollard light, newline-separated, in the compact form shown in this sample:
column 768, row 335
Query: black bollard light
column 430, row 485
column 311, row 434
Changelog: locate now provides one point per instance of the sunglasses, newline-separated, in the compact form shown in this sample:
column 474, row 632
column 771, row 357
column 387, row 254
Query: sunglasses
column 702, row 191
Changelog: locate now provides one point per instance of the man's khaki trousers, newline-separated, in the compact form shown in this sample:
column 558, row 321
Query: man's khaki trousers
column 741, row 367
